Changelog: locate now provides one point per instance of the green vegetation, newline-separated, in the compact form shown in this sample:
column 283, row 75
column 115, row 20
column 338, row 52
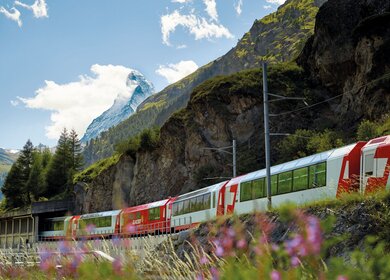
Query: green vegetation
column 95, row 169
column 39, row 175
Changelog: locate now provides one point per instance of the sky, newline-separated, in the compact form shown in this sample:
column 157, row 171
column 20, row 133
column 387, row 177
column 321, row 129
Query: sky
column 62, row 63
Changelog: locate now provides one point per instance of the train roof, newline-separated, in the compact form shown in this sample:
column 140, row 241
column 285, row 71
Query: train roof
column 100, row 214
column 295, row 164
column 202, row 191
column 374, row 143
column 146, row 206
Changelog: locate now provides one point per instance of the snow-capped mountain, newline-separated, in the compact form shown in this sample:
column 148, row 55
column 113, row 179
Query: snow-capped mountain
column 123, row 107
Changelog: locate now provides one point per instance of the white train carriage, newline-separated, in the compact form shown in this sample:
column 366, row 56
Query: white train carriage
column 54, row 228
column 97, row 224
column 195, row 207
column 307, row 179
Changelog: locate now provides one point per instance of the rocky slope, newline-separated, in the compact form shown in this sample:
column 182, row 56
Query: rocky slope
column 7, row 158
column 278, row 37
column 349, row 54
column 123, row 107
column 226, row 108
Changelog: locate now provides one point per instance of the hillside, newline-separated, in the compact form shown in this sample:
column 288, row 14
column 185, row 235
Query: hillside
column 278, row 37
column 230, row 107
column 6, row 161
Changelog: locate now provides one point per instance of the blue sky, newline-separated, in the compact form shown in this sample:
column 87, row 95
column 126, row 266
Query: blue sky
column 59, row 58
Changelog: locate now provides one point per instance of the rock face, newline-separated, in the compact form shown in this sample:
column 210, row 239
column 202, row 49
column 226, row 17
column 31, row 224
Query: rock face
column 123, row 107
column 110, row 190
column 349, row 54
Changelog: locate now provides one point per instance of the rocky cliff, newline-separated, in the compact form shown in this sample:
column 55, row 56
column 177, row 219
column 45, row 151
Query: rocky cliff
column 347, row 58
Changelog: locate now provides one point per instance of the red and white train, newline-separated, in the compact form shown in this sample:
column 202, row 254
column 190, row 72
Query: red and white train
column 361, row 167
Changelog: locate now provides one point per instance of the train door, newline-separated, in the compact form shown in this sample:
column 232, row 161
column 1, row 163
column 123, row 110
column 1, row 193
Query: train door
column 367, row 166
column 230, row 198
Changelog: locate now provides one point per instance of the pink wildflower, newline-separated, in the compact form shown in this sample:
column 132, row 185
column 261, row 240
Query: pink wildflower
column 241, row 244
column 275, row 275
column 342, row 277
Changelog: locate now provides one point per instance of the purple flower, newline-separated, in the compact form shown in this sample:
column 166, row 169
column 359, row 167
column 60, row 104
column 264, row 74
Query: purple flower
column 241, row 244
column 204, row 260
column 342, row 277
column 214, row 273
column 295, row 261
column 219, row 251
column 117, row 266
column 275, row 275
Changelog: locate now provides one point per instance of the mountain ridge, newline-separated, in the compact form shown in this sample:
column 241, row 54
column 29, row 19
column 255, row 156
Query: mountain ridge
column 294, row 20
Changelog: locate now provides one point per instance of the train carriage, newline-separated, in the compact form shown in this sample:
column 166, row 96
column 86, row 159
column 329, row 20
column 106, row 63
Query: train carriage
column 54, row 228
column 192, row 208
column 147, row 218
column 307, row 179
column 102, row 224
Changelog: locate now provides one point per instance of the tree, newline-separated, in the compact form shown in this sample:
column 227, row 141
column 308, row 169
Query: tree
column 367, row 130
column 76, row 151
column 58, row 171
column 12, row 187
column 15, row 187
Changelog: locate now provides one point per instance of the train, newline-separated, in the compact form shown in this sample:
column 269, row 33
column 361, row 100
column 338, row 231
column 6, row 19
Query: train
column 360, row 167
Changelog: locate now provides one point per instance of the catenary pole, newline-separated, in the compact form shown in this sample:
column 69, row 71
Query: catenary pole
column 266, row 136
column 234, row 159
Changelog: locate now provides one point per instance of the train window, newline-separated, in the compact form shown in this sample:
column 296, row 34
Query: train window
column 369, row 165
column 258, row 188
column 186, row 206
column 284, row 182
column 274, row 184
column 300, row 179
column 193, row 205
column 175, row 209
column 246, row 191
column 214, row 199
column 206, row 201
column 317, row 175
column 97, row 222
column 321, row 174
column 180, row 206
column 199, row 203
column 58, row 225
column 154, row 214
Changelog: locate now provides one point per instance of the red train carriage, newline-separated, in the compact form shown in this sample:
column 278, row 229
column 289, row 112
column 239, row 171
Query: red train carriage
column 150, row 218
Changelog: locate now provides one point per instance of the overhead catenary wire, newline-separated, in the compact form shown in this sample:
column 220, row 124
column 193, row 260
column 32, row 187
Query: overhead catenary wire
column 387, row 75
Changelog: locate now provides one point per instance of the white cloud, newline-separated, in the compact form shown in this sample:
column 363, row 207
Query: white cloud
column 39, row 8
column 211, row 9
column 76, row 104
column 14, row 102
column 12, row 14
column 197, row 26
column 238, row 7
column 278, row 2
column 175, row 72
column 179, row 47
column 267, row 7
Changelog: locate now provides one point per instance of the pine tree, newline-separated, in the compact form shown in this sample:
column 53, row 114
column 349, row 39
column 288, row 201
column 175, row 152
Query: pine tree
column 58, row 171
column 77, row 157
column 15, row 187
column 12, row 188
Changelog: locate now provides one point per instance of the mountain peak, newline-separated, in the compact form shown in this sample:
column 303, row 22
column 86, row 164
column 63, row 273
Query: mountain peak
column 139, row 89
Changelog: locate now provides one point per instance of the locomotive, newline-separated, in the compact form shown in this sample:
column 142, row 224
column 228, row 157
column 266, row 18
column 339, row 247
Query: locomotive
column 360, row 167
